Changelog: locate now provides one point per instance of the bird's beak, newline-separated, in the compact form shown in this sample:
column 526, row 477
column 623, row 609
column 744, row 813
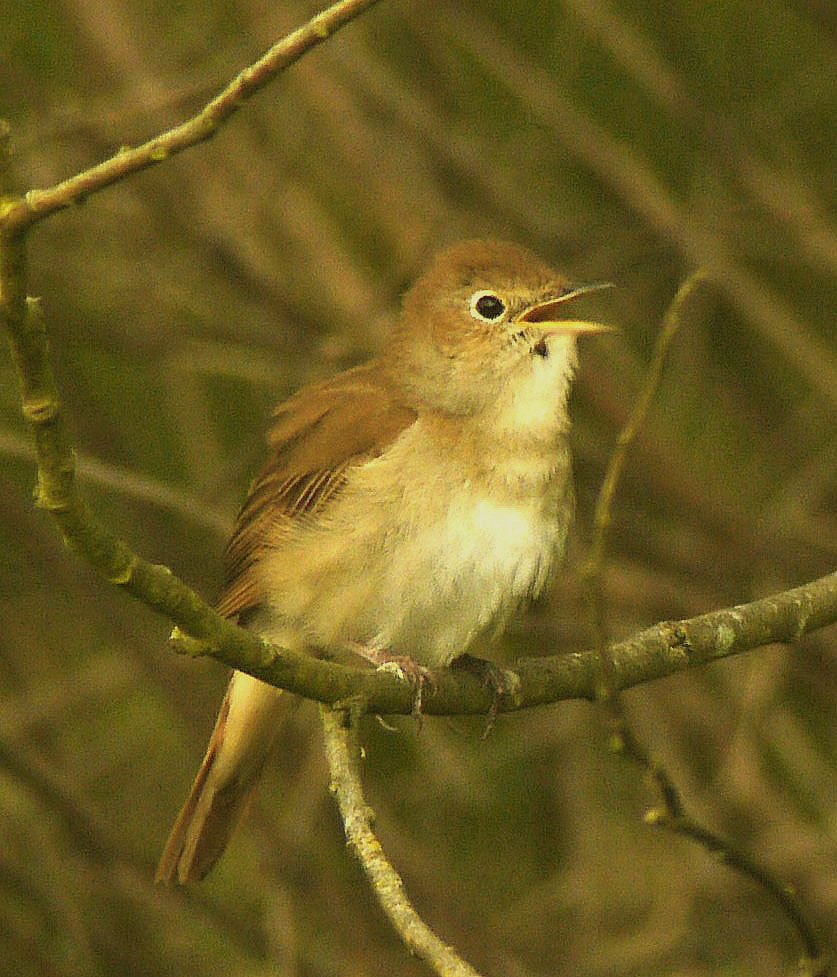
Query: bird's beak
column 546, row 314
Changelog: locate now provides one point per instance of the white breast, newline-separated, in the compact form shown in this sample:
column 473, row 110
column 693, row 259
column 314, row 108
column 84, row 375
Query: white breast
column 467, row 544
column 466, row 573
column 429, row 546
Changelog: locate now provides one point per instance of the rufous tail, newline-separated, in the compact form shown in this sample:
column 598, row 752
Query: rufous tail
column 238, row 747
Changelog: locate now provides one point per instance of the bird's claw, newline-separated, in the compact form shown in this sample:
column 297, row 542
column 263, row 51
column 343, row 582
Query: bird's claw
column 403, row 667
column 501, row 682
column 408, row 670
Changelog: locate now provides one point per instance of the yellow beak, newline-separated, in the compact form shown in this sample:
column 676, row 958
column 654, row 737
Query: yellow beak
column 545, row 314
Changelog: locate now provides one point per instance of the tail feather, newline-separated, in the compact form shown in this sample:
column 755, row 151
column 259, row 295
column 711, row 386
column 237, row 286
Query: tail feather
column 239, row 745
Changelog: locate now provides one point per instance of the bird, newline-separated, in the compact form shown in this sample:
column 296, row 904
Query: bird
column 408, row 509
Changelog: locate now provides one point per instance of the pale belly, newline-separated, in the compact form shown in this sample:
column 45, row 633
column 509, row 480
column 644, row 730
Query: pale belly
column 463, row 578
column 423, row 578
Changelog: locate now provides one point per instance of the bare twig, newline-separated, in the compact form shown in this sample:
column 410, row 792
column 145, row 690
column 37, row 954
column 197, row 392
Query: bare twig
column 342, row 753
column 662, row 650
column 673, row 817
column 628, row 434
column 672, row 813
column 19, row 213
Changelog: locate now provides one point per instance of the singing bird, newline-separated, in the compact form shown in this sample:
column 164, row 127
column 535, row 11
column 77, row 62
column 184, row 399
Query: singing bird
column 409, row 506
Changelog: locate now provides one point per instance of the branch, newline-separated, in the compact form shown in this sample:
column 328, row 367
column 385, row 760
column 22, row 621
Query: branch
column 724, row 628
column 814, row 962
column 663, row 650
column 342, row 752
column 20, row 213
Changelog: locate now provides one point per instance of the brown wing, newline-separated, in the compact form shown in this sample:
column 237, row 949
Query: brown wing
column 318, row 435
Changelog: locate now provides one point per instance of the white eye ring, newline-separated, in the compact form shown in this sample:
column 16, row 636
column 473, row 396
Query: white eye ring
column 487, row 307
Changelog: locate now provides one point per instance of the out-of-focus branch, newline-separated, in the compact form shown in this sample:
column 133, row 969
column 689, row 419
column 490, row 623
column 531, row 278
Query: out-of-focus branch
column 620, row 166
column 129, row 485
column 16, row 214
column 780, row 192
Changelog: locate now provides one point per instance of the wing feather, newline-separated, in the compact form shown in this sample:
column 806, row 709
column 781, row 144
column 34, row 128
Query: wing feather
column 318, row 436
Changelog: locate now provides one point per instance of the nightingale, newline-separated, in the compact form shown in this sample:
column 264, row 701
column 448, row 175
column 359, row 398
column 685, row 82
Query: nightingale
column 409, row 507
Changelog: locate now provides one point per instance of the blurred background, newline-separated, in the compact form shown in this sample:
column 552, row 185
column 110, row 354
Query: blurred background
column 628, row 141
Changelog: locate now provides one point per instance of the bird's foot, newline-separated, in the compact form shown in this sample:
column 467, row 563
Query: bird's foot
column 500, row 681
column 405, row 668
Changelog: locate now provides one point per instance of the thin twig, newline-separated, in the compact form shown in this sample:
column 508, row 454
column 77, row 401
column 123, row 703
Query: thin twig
column 19, row 213
column 342, row 753
column 662, row 650
column 813, row 963
column 607, row 493
column 672, row 814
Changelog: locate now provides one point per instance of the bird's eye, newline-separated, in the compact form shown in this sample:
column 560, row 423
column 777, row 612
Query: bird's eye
column 487, row 306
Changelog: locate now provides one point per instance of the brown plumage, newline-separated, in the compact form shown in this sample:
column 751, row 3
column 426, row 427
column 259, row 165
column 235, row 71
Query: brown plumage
column 317, row 435
column 408, row 507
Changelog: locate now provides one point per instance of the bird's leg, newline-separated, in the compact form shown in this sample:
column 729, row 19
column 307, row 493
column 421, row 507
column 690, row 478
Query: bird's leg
column 405, row 668
column 500, row 681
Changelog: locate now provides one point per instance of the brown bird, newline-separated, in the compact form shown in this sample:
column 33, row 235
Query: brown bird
column 409, row 506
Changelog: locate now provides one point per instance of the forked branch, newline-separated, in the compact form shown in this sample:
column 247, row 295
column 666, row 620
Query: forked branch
column 663, row 650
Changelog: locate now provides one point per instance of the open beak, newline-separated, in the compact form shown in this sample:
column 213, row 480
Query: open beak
column 546, row 314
